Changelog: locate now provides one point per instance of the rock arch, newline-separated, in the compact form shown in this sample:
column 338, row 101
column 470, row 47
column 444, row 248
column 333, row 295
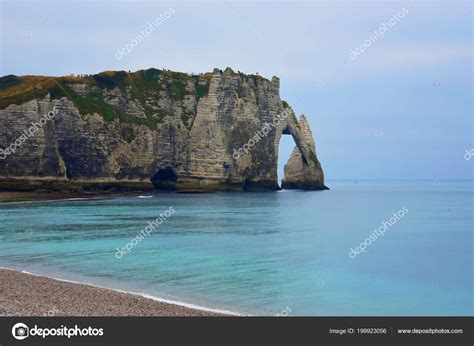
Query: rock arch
column 303, row 169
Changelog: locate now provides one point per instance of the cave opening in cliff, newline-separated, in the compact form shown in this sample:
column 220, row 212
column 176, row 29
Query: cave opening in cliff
column 165, row 179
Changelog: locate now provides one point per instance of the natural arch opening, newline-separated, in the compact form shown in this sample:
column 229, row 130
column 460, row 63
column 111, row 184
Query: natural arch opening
column 285, row 148
column 165, row 179
column 293, row 150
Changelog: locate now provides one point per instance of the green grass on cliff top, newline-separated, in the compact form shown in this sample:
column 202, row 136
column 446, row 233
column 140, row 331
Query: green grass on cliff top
column 141, row 84
column 18, row 90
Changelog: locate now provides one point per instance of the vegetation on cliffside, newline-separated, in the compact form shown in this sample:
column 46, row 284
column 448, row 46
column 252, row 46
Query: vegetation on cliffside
column 142, row 85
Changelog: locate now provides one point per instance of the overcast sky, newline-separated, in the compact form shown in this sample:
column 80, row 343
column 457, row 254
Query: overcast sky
column 402, row 109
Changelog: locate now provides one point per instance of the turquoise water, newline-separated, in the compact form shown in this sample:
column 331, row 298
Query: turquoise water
column 263, row 253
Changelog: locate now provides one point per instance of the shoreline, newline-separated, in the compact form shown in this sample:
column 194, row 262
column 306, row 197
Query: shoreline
column 29, row 294
column 32, row 196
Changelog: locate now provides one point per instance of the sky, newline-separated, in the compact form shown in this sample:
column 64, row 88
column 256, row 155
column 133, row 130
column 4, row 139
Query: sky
column 400, row 109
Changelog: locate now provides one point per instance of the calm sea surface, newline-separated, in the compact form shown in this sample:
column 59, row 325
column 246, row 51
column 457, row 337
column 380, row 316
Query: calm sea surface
column 263, row 253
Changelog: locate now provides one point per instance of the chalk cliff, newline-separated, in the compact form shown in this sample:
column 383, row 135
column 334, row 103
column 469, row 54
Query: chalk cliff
column 150, row 129
column 298, row 174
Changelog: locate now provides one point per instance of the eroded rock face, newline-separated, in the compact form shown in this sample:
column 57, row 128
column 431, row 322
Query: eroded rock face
column 304, row 171
column 164, row 130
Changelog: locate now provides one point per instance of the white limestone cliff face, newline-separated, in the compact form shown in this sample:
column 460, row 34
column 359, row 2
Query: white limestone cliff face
column 297, row 173
column 191, row 148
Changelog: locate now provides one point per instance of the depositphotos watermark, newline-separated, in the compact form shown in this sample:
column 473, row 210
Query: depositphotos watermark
column 21, row 331
column 27, row 133
column 284, row 313
column 469, row 154
column 379, row 232
column 264, row 131
column 378, row 33
column 144, row 34
column 51, row 313
column 152, row 225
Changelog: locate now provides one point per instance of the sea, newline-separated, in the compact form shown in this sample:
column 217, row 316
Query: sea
column 362, row 248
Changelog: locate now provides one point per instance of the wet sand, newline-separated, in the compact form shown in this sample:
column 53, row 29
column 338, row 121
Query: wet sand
column 23, row 294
